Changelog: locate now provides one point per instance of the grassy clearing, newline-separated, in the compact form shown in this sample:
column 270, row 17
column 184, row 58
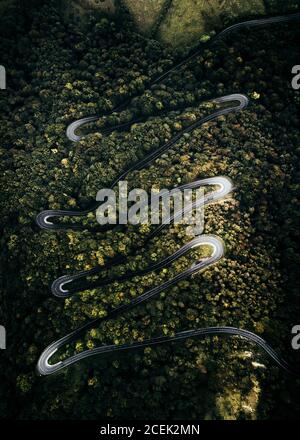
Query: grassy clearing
column 188, row 19
column 145, row 12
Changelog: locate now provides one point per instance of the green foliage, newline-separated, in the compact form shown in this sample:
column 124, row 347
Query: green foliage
column 58, row 73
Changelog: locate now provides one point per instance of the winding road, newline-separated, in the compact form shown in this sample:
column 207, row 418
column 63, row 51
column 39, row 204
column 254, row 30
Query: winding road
column 225, row 187
column 59, row 289
column 43, row 217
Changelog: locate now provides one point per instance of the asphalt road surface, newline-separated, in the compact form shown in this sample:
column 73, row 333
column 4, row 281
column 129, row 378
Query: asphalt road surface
column 59, row 289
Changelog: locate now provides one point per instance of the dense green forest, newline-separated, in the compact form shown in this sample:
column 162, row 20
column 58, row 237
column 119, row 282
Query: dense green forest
column 60, row 69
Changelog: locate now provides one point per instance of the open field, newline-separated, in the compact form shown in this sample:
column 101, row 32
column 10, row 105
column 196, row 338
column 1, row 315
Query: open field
column 145, row 12
column 186, row 20
column 179, row 23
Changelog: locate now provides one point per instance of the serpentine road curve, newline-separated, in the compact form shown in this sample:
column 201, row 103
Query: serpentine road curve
column 214, row 243
column 225, row 187
column 43, row 217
